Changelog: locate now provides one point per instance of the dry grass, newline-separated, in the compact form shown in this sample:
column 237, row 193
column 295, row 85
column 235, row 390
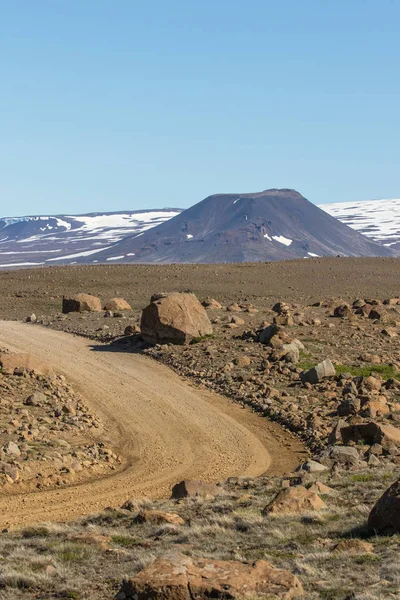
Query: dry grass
column 66, row 561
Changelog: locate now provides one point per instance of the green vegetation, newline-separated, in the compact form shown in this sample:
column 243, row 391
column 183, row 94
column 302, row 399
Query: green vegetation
column 385, row 371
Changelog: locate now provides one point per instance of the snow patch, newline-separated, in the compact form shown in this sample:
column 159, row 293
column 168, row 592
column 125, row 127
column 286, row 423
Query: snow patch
column 84, row 253
column 282, row 240
column 313, row 255
column 267, row 236
column 189, row 236
column 116, row 257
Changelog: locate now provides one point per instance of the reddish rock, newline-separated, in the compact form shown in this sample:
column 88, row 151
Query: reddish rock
column 117, row 304
column 179, row 577
column 174, row 319
column 296, row 500
column 81, row 303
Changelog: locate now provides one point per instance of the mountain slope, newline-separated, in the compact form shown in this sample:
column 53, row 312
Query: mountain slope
column 38, row 240
column 377, row 219
column 270, row 225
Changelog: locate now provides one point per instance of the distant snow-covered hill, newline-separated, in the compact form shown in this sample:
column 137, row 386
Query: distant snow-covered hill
column 377, row 219
column 38, row 240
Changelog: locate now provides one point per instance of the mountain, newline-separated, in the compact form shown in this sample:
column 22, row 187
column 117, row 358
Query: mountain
column 270, row 225
column 52, row 240
column 377, row 219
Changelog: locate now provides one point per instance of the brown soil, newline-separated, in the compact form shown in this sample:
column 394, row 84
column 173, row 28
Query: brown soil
column 162, row 429
column 40, row 290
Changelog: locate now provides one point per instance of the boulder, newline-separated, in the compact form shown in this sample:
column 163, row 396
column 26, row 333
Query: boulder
column 296, row 500
column 342, row 311
column 81, row 303
column 158, row 517
column 180, row 577
column 193, row 488
column 371, row 433
column 343, row 455
column 384, row 518
column 319, row 372
column 174, row 319
column 117, row 304
column 10, row 362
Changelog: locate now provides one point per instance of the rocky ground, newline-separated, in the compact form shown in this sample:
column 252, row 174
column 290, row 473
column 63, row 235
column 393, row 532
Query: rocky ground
column 328, row 546
column 48, row 437
column 314, row 345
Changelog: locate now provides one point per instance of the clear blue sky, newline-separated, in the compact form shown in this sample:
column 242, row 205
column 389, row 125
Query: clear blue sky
column 125, row 104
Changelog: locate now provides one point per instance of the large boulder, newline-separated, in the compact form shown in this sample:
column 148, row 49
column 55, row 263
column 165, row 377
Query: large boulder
column 81, row 303
column 294, row 500
column 384, row 518
column 174, row 319
column 191, row 488
column 180, row 577
column 116, row 304
column 18, row 360
column 371, row 433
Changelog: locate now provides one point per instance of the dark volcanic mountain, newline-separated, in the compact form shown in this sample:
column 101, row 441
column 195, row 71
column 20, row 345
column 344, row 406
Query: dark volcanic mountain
column 270, row 225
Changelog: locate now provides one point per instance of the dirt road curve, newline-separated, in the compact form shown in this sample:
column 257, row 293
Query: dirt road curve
column 164, row 429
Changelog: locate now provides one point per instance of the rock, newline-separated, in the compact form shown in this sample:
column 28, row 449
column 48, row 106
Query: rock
column 237, row 320
column 175, row 319
column 320, row 488
column 354, row 546
column 242, row 361
column 281, row 307
column 368, row 357
column 296, row 499
column 349, row 406
column 11, row 449
column 31, row 318
column 371, row 383
column 11, row 362
column 234, row 308
column 212, row 303
column 371, row 433
column 384, row 518
column 344, row 455
column 81, row 303
column 180, row 577
column 373, row 461
column 389, row 332
column 193, row 488
column 342, row 311
column 36, row 399
column 268, row 333
column 117, row 304
column 312, row 466
column 158, row 517
column 319, row 372
column 131, row 330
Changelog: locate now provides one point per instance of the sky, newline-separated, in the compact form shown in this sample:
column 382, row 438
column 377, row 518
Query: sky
column 121, row 104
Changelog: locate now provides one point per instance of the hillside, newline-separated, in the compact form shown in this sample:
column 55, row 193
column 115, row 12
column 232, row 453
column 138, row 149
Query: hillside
column 269, row 225
column 37, row 240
